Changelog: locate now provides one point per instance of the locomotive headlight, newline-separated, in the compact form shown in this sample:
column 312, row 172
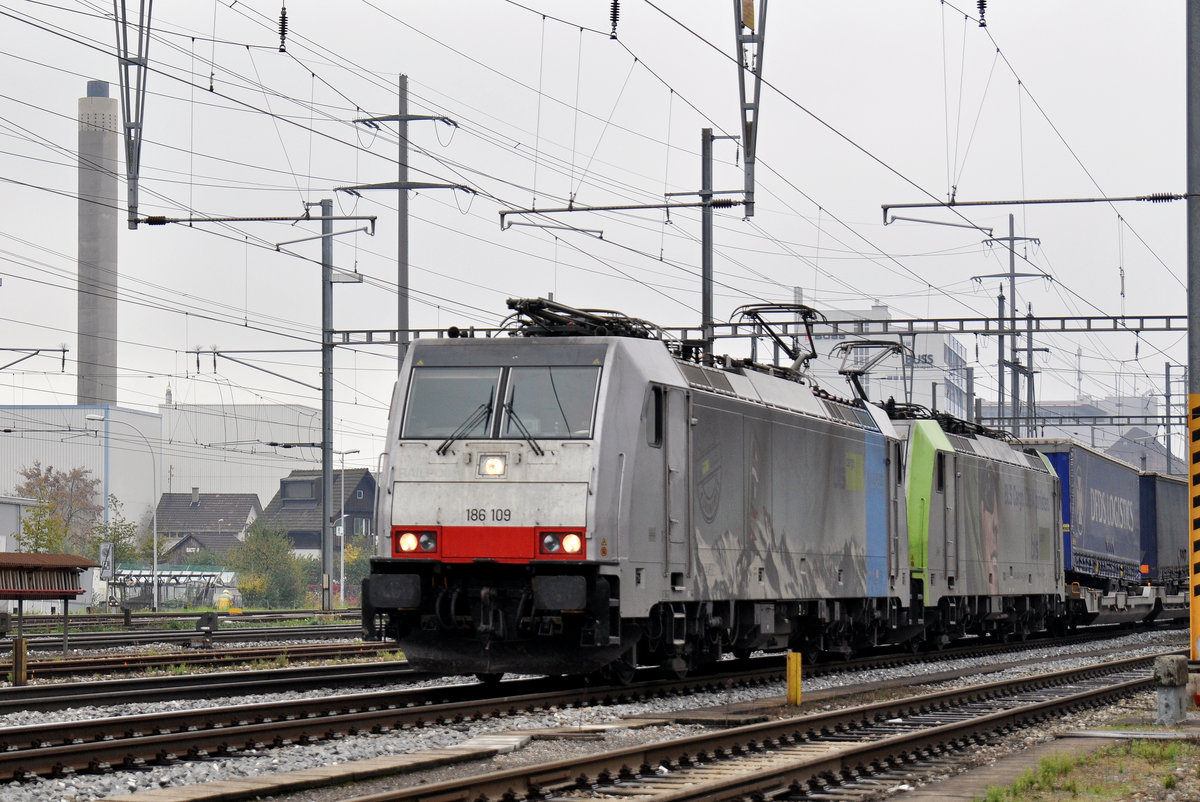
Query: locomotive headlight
column 493, row 465
column 561, row 543
column 428, row 541
column 408, row 542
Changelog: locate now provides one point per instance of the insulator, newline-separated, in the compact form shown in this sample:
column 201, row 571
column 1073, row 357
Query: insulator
column 1161, row 197
column 615, row 15
column 283, row 30
column 982, row 13
column 722, row 203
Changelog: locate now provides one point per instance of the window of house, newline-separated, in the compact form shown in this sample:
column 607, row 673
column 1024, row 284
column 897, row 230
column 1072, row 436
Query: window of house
column 298, row 490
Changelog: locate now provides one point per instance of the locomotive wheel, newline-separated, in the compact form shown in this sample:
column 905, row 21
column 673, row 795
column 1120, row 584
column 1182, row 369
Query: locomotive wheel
column 741, row 654
column 489, row 679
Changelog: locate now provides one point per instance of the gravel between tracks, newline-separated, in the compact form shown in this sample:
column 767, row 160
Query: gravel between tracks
column 89, row 787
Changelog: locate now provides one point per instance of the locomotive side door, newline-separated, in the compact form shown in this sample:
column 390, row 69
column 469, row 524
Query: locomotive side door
column 954, row 522
column 677, row 433
column 946, row 522
column 897, row 562
column 951, row 519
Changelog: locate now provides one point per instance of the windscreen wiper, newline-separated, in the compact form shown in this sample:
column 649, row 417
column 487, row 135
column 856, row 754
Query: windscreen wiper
column 515, row 418
column 481, row 413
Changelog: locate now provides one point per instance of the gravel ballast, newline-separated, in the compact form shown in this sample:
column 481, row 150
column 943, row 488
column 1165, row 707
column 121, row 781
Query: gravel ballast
column 290, row 758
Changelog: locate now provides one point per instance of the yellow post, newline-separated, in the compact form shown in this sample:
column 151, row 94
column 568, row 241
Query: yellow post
column 793, row 679
column 20, row 664
column 1194, row 519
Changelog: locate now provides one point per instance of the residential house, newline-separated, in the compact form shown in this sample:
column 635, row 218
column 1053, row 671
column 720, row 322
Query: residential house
column 296, row 509
column 192, row 522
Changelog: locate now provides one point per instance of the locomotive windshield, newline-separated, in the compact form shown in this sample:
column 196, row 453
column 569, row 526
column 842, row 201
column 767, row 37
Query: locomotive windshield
column 443, row 400
column 551, row 402
column 554, row 402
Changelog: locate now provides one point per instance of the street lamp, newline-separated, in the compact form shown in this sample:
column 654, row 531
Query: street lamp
column 342, row 528
column 154, row 489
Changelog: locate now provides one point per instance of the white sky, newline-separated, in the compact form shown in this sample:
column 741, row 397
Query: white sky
column 869, row 103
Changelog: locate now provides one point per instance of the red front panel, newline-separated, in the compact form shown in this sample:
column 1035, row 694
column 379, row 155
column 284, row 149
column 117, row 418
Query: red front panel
column 506, row 544
column 513, row 544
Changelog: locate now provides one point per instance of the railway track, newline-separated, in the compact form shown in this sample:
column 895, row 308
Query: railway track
column 130, row 741
column 194, row 658
column 204, row 685
column 111, row 640
column 140, row 690
column 852, row 753
column 40, row 623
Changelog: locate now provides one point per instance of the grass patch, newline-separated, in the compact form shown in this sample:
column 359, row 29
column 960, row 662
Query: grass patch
column 1112, row 773
column 280, row 661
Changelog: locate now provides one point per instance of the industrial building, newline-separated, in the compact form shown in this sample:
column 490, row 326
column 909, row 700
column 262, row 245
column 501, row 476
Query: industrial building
column 934, row 372
column 138, row 455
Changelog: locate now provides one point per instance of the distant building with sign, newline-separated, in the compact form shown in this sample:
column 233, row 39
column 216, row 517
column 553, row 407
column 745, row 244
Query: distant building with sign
column 934, row 373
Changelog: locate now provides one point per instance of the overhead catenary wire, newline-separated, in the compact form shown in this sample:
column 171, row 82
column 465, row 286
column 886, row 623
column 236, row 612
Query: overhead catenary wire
column 819, row 207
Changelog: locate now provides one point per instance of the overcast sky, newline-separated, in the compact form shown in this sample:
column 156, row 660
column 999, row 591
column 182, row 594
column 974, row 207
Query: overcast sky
column 868, row 103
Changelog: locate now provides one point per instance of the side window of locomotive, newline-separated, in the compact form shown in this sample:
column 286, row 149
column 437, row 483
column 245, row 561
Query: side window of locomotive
column 653, row 416
column 443, row 400
column 551, row 402
column 939, row 470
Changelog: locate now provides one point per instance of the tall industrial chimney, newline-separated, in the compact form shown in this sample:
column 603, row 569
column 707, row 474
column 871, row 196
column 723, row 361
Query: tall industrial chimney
column 96, row 355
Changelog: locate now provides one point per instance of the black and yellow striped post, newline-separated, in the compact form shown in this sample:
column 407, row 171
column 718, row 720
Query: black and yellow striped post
column 1194, row 518
column 1192, row 72
column 793, row 679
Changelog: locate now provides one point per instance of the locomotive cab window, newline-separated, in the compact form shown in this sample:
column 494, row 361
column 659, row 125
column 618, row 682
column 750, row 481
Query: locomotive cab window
column 550, row 402
column 443, row 400
column 940, row 472
column 653, row 415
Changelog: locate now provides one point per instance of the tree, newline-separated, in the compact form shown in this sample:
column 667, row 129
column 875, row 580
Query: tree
column 269, row 575
column 358, row 565
column 123, row 534
column 41, row 530
column 69, row 498
column 201, row 557
column 145, row 546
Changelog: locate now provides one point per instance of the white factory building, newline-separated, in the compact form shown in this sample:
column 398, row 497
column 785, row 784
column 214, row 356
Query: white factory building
column 139, row 455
